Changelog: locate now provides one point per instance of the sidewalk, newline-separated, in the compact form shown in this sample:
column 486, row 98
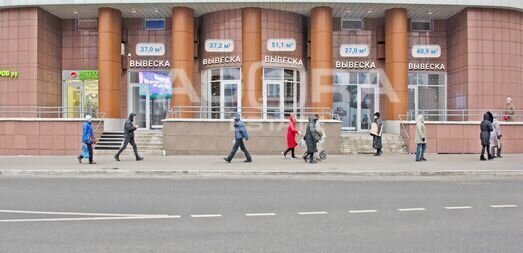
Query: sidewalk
column 340, row 165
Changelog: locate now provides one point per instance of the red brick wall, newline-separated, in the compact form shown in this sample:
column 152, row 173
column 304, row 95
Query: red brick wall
column 79, row 48
column 42, row 137
column 459, row 138
column 438, row 36
column 485, row 59
column 30, row 44
column 457, row 86
column 49, row 59
column 495, row 58
column 19, row 50
column 221, row 25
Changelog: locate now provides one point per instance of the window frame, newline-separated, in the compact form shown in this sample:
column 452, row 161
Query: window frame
column 362, row 26
column 430, row 21
column 154, row 19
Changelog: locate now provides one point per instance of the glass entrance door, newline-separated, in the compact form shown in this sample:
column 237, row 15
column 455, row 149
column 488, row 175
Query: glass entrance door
column 74, row 99
column 150, row 104
column 150, row 95
column 346, row 105
column 140, row 104
column 356, row 99
column 367, row 104
column 273, row 104
column 80, row 98
column 224, row 99
column 230, row 99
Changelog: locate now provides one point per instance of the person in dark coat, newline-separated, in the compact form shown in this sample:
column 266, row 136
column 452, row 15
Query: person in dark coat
column 376, row 132
column 311, row 139
column 486, row 128
column 88, row 139
column 292, row 131
column 240, row 133
column 128, row 134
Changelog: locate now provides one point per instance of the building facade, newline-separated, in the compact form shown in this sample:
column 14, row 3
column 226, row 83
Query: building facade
column 200, row 59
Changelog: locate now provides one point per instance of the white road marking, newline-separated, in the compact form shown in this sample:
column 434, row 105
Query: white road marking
column 95, row 218
column 457, row 207
column 503, row 206
column 412, row 209
column 205, row 215
column 80, row 214
column 259, row 214
column 363, row 211
column 312, row 213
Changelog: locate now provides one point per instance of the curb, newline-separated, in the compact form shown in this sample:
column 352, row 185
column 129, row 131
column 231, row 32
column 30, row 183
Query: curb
column 226, row 173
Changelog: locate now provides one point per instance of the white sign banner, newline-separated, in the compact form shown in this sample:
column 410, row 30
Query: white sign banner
column 281, row 45
column 426, row 51
column 354, row 50
column 150, row 49
column 212, row 45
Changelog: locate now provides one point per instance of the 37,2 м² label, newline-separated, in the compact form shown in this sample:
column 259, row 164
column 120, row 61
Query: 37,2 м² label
column 213, row 45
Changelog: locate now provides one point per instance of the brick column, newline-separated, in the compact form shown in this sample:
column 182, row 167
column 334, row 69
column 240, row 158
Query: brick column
column 396, row 61
column 252, row 86
column 182, row 57
column 110, row 66
column 321, row 57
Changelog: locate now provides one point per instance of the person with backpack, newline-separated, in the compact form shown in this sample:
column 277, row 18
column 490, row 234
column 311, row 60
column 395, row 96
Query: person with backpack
column 88, row 140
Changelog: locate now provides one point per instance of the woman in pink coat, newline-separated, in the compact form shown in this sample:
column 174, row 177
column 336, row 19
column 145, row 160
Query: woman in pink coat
column 292, row 131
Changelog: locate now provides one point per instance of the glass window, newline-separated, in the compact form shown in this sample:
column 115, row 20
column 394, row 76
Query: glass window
column 353, row 78
column 288, row 75
column 363, row 78
column 352, row 24
column 413, row 78
column 373, row 78
column 423, row 79
column 435, row 79
column 215, row 74
column 223, row 104
column 427, row 95
column 282, row 92
column 272, row 74
column 231, row 74
column 154, row 24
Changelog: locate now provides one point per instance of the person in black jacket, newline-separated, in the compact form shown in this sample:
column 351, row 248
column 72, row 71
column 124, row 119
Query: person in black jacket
column 486, row 128
column 128, row 133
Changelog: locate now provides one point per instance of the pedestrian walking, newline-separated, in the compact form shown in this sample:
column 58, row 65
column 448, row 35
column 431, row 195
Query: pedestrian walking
column 495, row 138
column 311, row 139
column 486, row 128
column 128, row 134
column 421, row 139
column 88, row 139
column 376, row 131
column 240, row 133
column 510, row 110
column 292, row 131
column 320, row 154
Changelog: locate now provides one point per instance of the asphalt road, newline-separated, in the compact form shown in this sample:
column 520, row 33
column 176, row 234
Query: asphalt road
column 203, row 215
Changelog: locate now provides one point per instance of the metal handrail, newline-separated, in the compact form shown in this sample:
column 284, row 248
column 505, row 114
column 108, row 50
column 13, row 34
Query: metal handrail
column 50, row 112
column 205, row 112
column 457, row 115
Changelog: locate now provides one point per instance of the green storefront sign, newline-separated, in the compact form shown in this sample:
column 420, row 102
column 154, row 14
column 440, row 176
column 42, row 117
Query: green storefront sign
column 9, row 74
column 88, row 75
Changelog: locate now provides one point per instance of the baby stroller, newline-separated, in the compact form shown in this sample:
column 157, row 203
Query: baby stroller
column 318, row 156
